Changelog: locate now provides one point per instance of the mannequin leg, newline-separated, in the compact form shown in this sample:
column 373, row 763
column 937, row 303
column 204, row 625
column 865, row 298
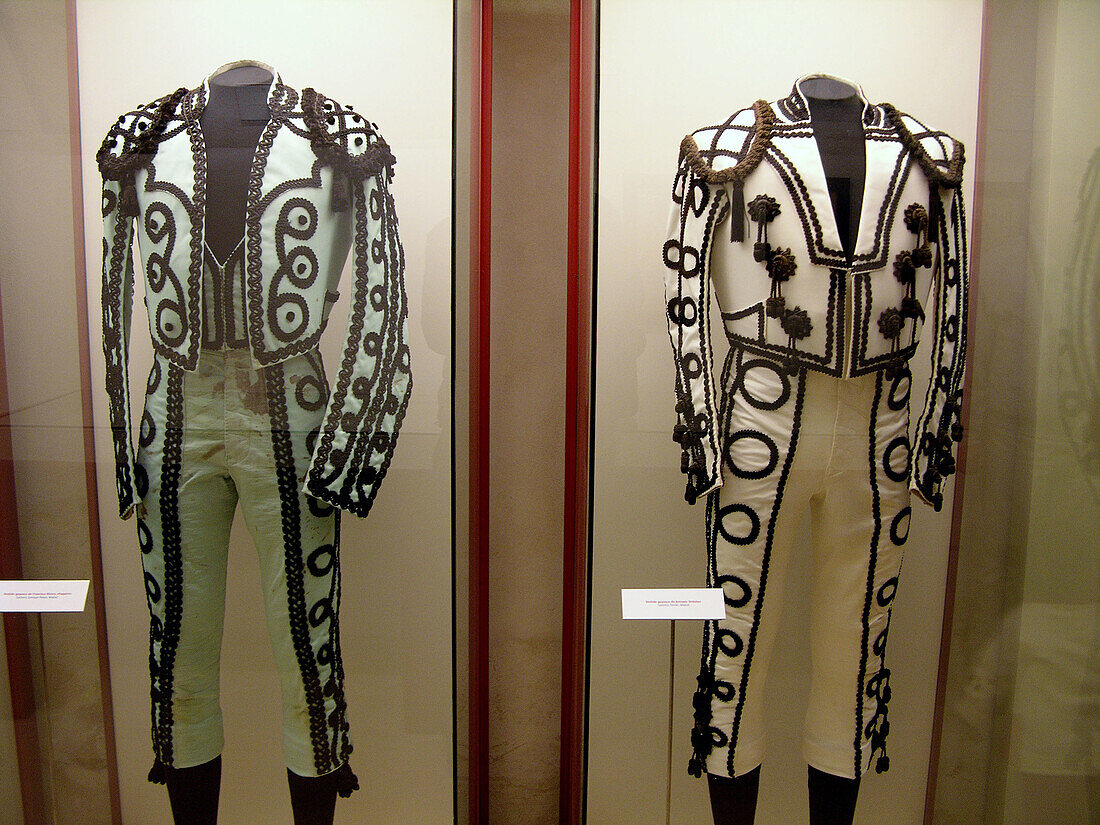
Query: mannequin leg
column 733, row 799
column 193, row 792
column 832, row 798
column 312, row 798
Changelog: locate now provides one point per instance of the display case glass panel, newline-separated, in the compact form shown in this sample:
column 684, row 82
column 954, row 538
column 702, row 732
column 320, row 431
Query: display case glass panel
column 665, row 70
column 71, row 71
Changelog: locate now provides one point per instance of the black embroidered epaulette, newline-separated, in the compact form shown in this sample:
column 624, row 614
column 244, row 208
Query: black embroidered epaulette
column 345, row 140
column 942, row 165
column 134, row 137
column 702, row 161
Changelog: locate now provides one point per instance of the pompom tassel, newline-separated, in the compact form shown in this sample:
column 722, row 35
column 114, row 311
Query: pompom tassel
column 156, row 773
column 347, row 782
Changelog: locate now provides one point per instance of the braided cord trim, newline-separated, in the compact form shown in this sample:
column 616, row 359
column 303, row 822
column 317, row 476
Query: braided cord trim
column 765, row 121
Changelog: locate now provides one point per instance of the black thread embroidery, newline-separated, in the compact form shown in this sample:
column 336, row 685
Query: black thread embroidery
column 283, row 451
column 162, row 667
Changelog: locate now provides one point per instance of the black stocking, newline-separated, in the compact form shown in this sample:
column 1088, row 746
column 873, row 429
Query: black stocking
column 313, row 798
column 193, row 792
column 733, row 800
column 832, row 798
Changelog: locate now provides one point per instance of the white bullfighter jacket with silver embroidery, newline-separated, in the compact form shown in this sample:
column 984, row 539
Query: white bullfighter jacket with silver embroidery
column 792, row 292
column 318, row 185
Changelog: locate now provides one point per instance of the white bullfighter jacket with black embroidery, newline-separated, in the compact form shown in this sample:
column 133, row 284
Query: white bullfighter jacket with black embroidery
column 790, row 291
column 318, row 185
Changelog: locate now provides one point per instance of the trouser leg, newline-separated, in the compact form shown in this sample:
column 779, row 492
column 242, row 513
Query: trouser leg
column 297, row 541
column 832, row 798
column 860, row 523
column 750, row 531
column 183, row 534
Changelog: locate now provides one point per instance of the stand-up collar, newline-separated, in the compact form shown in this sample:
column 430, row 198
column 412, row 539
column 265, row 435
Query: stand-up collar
column 275, row 95
column 796, row 106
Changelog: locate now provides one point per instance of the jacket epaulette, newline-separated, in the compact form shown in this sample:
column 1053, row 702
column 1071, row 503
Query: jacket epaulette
column 134, row 137
column 347, row 141
column 344, row 138
column 722, row 160
column 940, row 156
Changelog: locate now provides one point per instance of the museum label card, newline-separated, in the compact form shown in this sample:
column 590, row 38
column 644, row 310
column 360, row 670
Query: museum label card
column 674, row 603
column 43, row 596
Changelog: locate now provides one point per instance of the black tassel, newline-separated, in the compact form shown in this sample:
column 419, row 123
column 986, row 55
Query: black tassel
column 340, row 197
column 346, row 781
column 156, row 773
column 128, row 206
column 737, row 212
column 935, row 208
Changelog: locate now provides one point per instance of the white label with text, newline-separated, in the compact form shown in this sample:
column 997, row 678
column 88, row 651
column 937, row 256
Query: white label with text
column 43, row 596
column 674, row 603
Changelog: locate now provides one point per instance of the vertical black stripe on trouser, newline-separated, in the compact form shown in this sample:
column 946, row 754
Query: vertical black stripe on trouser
column 283, row 451
column 162, row 666
column 710, row 628
column 876, row 514
column 341, row 742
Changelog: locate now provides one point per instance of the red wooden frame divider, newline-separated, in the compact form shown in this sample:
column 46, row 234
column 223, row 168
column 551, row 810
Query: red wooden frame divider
column 481, row 143
column 578, row 378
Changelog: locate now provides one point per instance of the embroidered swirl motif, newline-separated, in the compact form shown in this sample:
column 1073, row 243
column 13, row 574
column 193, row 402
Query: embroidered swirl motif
column 288, row 312
column 169, row 318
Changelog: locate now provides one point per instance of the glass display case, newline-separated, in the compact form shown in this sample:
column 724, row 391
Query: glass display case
column 552, row 433
column 378, row 626
column 982, row 576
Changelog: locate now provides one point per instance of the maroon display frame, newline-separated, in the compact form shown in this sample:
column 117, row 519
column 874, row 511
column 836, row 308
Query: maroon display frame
column 583, row 106
column 16, row 626
column 481, row 149
column 578, row 410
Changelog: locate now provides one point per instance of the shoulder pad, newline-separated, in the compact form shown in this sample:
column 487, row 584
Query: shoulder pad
column 344, row 138
column 723, row 156
column 135, row 135
column 940, row 155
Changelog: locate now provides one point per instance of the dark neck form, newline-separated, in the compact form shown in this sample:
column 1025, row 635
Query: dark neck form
column 837, row 118
column 232, row 122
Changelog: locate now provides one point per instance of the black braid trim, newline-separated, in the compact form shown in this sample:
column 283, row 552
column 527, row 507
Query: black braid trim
column 283, row 452
column 172, row 548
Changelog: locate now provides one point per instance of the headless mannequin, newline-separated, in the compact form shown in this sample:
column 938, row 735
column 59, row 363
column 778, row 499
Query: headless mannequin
column 232, row 121
column 836, row 112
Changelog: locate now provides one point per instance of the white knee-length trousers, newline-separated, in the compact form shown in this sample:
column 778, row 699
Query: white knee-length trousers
column 222, row 435
column 839, row 448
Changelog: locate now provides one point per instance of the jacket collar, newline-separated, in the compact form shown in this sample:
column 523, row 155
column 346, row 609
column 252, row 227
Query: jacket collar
column 278, row 95
column 796, row 108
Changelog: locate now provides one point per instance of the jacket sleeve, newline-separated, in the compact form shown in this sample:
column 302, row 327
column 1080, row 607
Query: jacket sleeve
column 117, row 300
column 371, row 391
column 940, row 427
column 698, row 206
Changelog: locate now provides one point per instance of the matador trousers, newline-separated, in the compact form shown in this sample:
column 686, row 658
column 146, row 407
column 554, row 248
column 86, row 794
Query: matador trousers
column 222, row 435
column 838, row 448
